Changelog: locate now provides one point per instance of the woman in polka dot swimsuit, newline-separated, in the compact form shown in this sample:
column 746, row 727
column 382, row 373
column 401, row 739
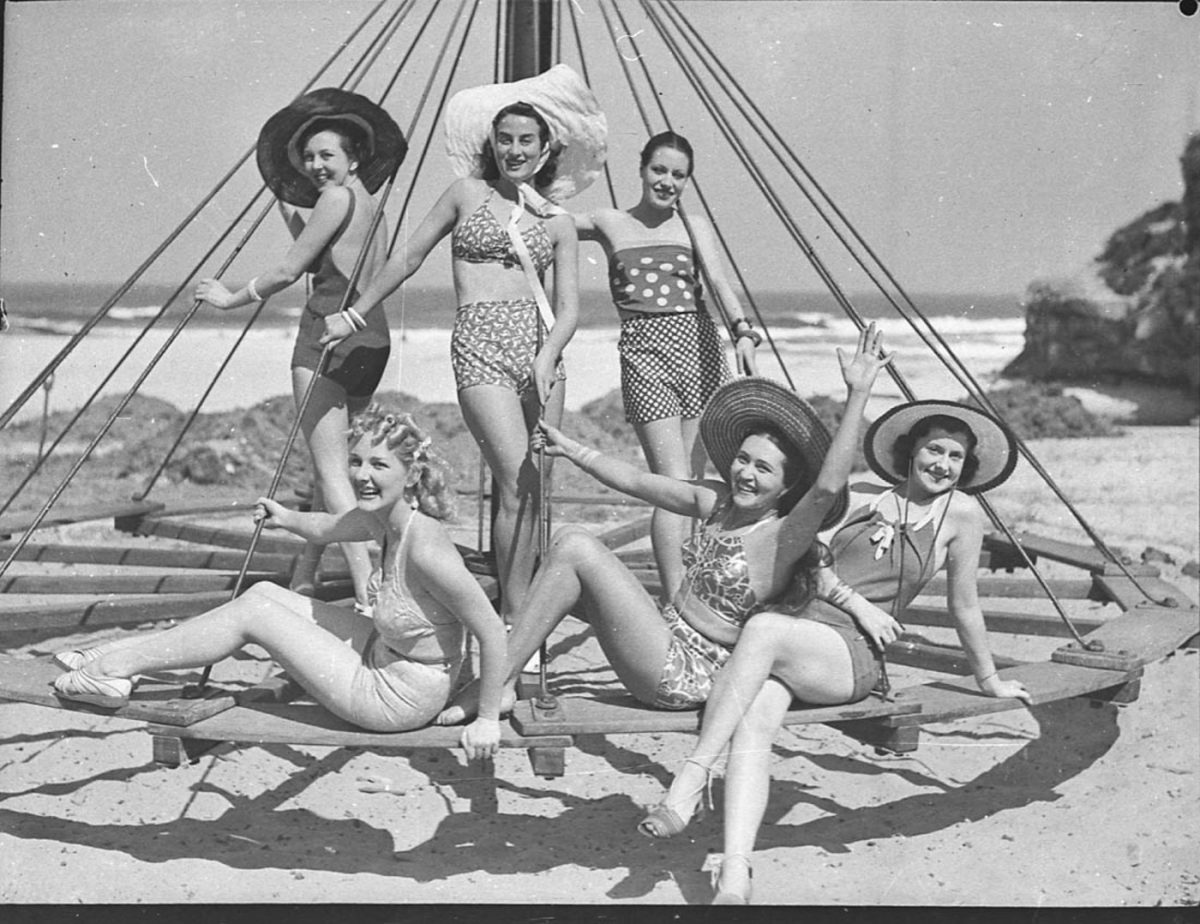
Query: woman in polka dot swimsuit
column 671, row 355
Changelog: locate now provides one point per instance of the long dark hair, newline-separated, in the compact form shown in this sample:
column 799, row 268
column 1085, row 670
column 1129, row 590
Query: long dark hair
column 672, row 140
column 543, row 177
column 906, row 443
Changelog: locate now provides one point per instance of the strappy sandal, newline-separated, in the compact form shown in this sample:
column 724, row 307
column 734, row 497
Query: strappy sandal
column 83, row 687
column 75, row 658
column 724, row 897
column 662, row 821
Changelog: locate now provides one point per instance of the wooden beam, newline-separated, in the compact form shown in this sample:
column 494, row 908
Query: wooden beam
column 914, row 651
column 991, row 585
column 1144, row 634
column 118, row 611
column 147, row 556
column 1049, row 624
column 20, row 523
column 130, row 583
column 214, row 535
column 1083, row 556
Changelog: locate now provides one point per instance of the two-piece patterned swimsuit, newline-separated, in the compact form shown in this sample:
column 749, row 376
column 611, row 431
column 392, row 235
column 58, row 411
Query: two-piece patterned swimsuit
column 717, row 574
column 671, row 357
column 875, row 555
column 413, row 656
column 495, row 342
column 356, row 363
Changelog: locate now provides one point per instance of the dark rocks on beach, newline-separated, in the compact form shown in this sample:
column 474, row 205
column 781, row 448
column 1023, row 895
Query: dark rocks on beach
column 1043, row 411
column 1133, row 316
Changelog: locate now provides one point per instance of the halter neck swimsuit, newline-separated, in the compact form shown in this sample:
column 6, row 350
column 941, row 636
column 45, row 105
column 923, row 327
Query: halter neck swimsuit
column 482, row 239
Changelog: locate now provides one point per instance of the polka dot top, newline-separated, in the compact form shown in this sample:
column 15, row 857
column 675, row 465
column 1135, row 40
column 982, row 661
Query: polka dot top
column 655, row 279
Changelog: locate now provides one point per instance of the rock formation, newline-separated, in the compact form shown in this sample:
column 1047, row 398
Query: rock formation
column 1132, row 315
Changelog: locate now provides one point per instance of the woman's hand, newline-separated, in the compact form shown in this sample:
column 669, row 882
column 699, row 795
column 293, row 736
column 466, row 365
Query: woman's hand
column 481, row 739
column 337, row 329
column 215, row 293
column 743, row 349
column 877, row 625
column 1005, row 689
column 860, row 370
column 551, row 440
column 542, row 373
column 270, row 513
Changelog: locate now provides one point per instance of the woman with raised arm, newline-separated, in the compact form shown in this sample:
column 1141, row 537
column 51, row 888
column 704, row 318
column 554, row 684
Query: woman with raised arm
column 824, row 645
column 783, row 481
column 388, row 673
column 671, row 356
column 328, row 151
column 506, row 347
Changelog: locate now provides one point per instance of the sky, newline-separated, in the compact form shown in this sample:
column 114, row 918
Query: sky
column 975, row 146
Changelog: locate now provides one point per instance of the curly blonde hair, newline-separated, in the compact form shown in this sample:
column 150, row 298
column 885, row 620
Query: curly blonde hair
column 428, row 474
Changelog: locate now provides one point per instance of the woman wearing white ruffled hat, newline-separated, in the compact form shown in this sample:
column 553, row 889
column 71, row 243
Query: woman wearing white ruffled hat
column 518, row 148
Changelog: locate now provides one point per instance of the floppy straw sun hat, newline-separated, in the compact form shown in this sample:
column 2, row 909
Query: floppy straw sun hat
column 995, row 447
column 577, row 126
column 280, row 160
column 739, row 407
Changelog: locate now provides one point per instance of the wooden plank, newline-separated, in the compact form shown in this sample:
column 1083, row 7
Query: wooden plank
column 28, row 680
column 147, row 556
column 1148, row 590
column 1020, row 587
column 130, row 583
column 214, row 535
column 619, row 713
column 118, row 611
column 1084, row 556
column 626, row 533
column 308, row 723
column 1048, row 624
column 1144, row 634
column 20, row 523
column 914, row 651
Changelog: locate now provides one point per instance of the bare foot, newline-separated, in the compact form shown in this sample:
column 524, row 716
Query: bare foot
column 465, row 704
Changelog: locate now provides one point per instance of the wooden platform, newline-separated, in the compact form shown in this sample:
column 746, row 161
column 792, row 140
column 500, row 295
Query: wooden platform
column 120, row 513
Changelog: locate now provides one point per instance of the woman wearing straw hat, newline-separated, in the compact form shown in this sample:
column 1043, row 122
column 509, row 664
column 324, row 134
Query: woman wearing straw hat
column 517, row 147
column 389, row 673
column 671, row 356
column 328, row 151
column 827, row 650
column 784, row 479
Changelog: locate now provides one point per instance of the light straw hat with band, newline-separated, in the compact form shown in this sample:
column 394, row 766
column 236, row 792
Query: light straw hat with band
column 578, row 128
column 742, row 406
column 281, row 162
column 995, row 447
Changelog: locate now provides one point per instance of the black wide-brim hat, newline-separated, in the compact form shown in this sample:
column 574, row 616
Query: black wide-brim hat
column 281, row 162
column 995, row 446
column 744, row 405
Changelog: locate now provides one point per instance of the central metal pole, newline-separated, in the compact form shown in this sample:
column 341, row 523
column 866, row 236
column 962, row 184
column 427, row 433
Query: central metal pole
column 528, row 40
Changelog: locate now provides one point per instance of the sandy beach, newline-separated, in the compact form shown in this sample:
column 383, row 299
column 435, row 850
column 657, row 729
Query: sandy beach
column 1064, row 804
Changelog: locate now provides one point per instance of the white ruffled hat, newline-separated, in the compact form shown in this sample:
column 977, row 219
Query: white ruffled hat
column 577, row 126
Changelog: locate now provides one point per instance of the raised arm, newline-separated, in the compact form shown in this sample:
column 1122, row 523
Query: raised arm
column 962, row 598
column 442, row 573
column 326, row 218
column 412, row 253
column 859, row 371
column 709, row 256
column 690, row 498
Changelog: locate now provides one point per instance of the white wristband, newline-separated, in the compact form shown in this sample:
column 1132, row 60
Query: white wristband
column 253, row 290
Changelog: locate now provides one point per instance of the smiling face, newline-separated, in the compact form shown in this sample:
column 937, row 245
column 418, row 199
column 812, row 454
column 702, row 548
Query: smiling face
column 665, row 177
column 937, row 463
column 758, row 475
column 518, row 148
column 326, row 161
column 379, row 477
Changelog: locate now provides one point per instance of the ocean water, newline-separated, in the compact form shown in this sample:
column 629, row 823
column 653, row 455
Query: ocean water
column 65, row 308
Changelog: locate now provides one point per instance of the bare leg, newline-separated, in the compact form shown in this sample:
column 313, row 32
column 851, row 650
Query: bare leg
column 811, row 658
column 670, row 447
column 748, row 781
column 325, row 424
column 319, row 645
column 501, row 422
column 580, row 572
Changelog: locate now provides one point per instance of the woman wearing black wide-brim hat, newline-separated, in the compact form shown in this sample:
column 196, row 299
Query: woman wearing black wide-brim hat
column 827, row 649
column 329, row 150
column 783, row 480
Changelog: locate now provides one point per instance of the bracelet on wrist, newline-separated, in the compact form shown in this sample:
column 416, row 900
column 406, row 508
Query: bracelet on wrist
column 252, row 288
column 987, row 677
column 356, row 319
column 748, row 333
column 350, row 319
